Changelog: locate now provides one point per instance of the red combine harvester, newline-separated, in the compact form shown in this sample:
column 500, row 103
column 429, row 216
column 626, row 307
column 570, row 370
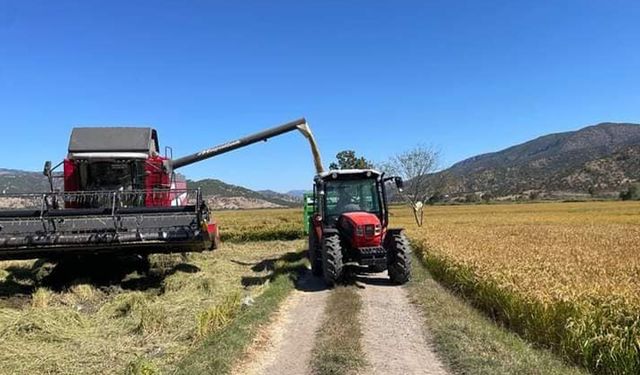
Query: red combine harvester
column 120, row 196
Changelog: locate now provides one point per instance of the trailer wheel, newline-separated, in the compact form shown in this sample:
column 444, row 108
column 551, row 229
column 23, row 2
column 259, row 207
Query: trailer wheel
column 314, row 254
column 399, row 255
column 332, row 259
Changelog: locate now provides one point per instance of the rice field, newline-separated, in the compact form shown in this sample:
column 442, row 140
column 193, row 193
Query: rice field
column 260, row 225
column 564, row 275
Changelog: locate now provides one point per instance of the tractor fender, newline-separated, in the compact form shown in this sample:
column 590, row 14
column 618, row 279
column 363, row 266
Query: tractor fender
column 326, row 231
column 392, row 231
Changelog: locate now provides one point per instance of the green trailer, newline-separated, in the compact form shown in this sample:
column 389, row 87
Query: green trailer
column 307, row 211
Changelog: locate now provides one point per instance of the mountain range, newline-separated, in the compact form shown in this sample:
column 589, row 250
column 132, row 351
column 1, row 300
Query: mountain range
column 17, row 181
column 218, row 194
column 221, row 195
column 602, row 159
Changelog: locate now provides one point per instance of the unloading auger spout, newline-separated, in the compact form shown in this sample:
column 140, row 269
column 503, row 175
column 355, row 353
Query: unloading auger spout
column 300, row 124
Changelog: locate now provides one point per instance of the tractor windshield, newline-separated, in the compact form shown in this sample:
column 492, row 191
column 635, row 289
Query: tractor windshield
column 351, row 195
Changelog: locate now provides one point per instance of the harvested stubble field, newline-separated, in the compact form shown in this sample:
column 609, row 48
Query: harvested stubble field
column 136, row 323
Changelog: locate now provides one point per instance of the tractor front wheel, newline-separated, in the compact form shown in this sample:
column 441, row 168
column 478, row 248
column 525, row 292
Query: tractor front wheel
column 315, row 258
column 332, row 259
column 399, row 256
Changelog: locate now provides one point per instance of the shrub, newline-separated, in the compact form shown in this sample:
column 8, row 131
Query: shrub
column 141, row 366
column 632, row 193
column 471, row 198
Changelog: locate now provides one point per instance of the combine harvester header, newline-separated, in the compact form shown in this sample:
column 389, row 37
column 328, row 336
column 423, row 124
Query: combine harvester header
column 120, row 196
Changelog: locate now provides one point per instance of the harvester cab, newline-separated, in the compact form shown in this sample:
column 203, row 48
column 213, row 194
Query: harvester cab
column 119, row 196
column 349, row 225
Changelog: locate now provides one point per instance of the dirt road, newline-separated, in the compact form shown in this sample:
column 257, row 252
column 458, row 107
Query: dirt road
column 289, row 340
column 394, row 340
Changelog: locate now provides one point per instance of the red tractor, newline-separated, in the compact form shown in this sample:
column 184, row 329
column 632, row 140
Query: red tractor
column 349, row 226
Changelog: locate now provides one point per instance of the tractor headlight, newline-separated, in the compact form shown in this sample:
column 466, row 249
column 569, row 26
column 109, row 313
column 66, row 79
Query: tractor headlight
column 359, row 230
column 369, row 230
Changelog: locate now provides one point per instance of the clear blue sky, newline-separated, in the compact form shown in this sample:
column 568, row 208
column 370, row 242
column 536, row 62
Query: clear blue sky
column 378, row 77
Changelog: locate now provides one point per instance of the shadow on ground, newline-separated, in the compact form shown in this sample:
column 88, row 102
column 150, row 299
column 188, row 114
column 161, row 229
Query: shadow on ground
column 137, row 273
column 290, row 264
column 125, row 272
column 362, row 276
column 359, row 276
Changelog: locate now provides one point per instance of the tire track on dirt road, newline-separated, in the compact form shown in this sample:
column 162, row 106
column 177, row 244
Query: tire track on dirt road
column 285, row 346
column 394, row 338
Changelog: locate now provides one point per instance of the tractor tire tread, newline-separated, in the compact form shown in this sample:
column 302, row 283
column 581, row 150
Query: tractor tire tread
column 332, row 264
column 399, row 268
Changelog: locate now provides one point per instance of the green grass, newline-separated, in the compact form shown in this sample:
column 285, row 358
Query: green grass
column 259, row 234
column 223, row 347
column 471, row 343
column 338, row 349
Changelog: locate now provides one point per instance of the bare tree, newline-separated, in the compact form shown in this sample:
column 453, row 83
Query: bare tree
column 416, row 167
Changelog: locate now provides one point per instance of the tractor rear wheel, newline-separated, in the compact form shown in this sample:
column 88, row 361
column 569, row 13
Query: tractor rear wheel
column 315, row 258
column 332, row 259
column 399, row 256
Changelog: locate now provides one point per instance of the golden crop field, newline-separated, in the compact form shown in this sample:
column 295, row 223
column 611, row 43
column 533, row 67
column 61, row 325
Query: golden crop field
column 548, row 251
column 259, row 225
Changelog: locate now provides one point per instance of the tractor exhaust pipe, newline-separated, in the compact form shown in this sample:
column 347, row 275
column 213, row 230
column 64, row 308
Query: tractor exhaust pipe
column 300, row 124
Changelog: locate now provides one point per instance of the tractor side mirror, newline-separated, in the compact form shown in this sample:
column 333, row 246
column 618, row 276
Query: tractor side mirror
column 399, row 183
column 47, row 168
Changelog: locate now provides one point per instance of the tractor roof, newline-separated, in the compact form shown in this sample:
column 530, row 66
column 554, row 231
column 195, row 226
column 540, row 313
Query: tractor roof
column 113, row 139
column 349, row 174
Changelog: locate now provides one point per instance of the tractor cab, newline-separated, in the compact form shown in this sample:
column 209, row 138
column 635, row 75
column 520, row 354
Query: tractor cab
column 347, row 191
column 344, row 191
column 348, row 224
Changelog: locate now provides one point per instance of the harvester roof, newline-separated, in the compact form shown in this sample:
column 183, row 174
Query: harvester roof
column 113, row 139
